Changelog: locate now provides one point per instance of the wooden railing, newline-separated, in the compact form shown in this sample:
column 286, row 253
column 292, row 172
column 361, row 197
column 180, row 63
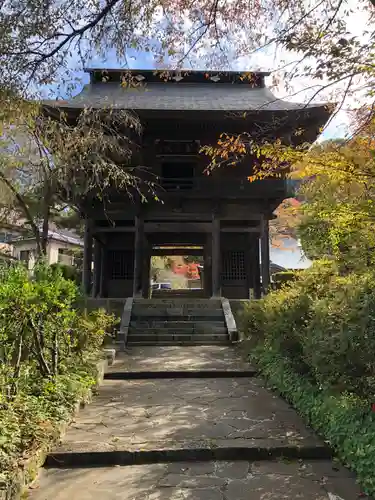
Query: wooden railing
column 208, row 186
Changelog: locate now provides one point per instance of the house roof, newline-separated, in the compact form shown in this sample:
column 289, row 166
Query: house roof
column 56, row 235
column 275, row 268
column 195, row 91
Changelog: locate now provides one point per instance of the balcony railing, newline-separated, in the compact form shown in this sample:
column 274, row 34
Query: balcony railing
column 178, row 184
column 209, row 186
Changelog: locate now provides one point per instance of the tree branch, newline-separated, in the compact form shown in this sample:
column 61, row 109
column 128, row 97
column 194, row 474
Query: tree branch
column 25, row 209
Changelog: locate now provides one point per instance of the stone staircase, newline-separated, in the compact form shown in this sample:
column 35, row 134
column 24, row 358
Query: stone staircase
column 177, row 321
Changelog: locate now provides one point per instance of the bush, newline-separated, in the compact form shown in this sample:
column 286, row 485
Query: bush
column 279, row 280
column 344, row 420
column 48, row 356
column 68, row 272
column 324, row 324
column 323, row 327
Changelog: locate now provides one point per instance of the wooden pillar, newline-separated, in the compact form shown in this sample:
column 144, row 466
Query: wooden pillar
column 103, row 286
column 207, row 270
column 146, row 263
column 138, row 254
column 216, row 254
column 249, row 264
column 256, row 269
column 97, row 268
column 265, row 254
column 87, row 258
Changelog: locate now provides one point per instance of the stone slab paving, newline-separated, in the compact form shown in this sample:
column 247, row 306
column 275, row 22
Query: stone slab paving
column 136, row 416
column 177, row 358
column 200, row 481
column 159, row 414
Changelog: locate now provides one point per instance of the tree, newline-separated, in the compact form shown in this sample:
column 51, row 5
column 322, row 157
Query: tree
column 38, row 41
column 337, row 215
column 47, row 164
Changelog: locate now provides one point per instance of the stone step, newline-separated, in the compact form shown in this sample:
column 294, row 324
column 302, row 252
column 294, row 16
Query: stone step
column 170, row 336
column 175, row 358
column 140, row 311
column 205, row 329
column 173, row 319
column 190, row 294
column 163, row 478
column 206, row 342
column 205, row 326
column 226, row 418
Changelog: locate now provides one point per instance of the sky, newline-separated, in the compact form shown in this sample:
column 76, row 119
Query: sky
column 290, row 255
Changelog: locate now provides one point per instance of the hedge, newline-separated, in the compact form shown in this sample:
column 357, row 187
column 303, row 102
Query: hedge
column 48, row 357
column 314, row 340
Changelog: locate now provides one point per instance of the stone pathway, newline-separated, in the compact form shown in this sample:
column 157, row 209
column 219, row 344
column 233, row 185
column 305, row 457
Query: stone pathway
column 195, row 438
column 178, row 358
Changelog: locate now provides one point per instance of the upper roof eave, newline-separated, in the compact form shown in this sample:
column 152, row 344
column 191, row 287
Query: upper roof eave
column 175, row 70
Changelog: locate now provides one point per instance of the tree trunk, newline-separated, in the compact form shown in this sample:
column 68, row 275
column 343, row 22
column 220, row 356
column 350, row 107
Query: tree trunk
column 23, row 206
column 17, row 367
column 45, row 226
column 43, row 366
column 55, row 353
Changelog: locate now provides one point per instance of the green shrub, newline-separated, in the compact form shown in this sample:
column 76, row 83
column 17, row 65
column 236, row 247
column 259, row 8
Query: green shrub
column 68, row 272
column 345, row 421
column 339, row 339
column 323, row 327
column 324, row 324
column 284, row 276
column 48, row 355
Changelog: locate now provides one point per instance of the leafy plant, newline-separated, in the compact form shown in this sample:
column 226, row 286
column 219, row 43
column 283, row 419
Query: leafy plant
column 345, row 421
column 48, row 355
column 314, row 340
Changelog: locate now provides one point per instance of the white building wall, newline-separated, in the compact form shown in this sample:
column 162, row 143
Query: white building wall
column 52, row 251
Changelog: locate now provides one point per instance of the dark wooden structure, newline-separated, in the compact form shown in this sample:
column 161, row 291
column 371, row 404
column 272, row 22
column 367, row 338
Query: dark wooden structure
column 223, row 214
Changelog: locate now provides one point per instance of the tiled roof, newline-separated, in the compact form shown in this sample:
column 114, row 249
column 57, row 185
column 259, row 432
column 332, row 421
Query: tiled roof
column 66, row 236
column 57, row 235
column 180, row 97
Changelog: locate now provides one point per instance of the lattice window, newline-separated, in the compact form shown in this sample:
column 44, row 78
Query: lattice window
column 121, row 264
column 233, row 266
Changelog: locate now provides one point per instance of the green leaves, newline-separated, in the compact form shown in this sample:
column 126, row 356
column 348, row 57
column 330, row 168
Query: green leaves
column 42, row 377
column 314, row 340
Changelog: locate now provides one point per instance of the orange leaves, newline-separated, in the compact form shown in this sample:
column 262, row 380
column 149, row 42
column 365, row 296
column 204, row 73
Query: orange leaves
column 229, row 149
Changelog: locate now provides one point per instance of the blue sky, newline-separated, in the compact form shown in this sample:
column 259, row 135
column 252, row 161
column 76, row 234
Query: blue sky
column 289, row 255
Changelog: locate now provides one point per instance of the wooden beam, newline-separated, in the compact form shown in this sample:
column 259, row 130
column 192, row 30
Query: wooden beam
column 146, row 268
column 97, row 268
column 103, row 284
column 116, row 229
column 240, row 229
column 177, row 251
column 177, row 227
column 256, row 270
column 164, row 227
